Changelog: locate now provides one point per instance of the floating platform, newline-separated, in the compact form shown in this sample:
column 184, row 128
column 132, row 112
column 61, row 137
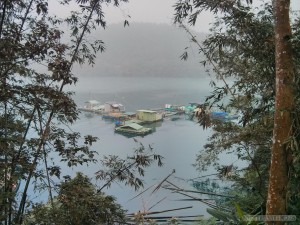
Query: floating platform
column 133, row 129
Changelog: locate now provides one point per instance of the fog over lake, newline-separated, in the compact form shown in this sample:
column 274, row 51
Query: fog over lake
column 142, row 70
column 137, row 93
column 177, row 141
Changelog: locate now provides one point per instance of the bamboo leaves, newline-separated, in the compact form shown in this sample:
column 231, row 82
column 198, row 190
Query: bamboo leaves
column 129, row 170
column 35, row 68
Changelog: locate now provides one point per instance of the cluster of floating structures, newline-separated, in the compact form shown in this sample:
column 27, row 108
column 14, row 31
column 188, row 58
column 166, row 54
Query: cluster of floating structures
column 137, row 123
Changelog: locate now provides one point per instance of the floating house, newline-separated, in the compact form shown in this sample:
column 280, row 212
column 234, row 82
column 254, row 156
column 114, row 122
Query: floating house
column 149, row 116
column 114, row 116
column 92, row 106
column 129, row 115
column 113, row 107
column 133, row 129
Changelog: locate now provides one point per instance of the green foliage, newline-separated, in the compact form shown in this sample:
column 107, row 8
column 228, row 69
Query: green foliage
column 237, row 217
column 35, row 68
column 78, row 202
column 240, row 53
column 225, row 217
column 127, row 170
column 210, row 221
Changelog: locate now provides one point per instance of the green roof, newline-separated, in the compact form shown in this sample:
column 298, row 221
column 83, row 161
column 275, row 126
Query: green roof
column 134, row 126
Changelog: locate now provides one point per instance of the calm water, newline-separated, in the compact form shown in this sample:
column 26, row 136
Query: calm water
column 177, row 141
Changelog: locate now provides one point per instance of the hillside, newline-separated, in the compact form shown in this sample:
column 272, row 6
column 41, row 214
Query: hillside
column 144, row 49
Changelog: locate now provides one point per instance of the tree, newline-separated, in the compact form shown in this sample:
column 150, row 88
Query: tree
column 281, row 154
column 35, row 67
column 81, row 202
column 78, row 202
column 233, row 50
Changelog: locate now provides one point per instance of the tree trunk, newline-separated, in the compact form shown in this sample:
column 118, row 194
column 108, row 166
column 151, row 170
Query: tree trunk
column 284, row 102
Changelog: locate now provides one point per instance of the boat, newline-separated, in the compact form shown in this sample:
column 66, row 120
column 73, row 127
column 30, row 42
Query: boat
column 173, row 116
column 224, row 116
column 169, row 114
column 219, row 115
column 133, row 129
column 174, row 108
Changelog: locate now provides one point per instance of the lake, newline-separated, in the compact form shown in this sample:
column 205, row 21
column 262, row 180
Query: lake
column 177, row 141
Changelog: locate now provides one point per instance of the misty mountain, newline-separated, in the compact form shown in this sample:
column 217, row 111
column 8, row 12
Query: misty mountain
column 145, row 49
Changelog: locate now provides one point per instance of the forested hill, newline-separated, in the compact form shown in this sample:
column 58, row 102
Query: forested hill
column 145, row 49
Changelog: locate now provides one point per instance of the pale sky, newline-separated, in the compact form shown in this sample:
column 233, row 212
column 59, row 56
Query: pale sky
column 154, row 11
column 162, row 11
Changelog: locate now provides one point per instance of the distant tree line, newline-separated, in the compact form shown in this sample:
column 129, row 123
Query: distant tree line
column 259, row 49
column 38, row 51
